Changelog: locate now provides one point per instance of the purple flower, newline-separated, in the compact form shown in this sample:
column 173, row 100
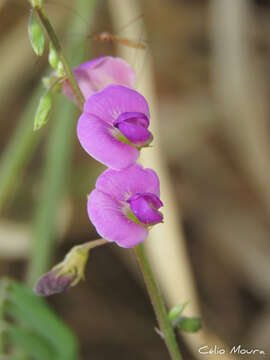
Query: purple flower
column 94, row 75
column 125, row 204
column 114, row 126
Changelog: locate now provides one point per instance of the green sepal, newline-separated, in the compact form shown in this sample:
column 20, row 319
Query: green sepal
column 133, row 218
column 188, row 324
column 43, row 110
column 121, row 137
column 36, row 35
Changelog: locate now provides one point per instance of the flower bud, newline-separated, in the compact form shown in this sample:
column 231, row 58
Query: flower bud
column 36, row 35
column 37, row 4
column 55, row 62
column 65, row 274
column 53, row 283
column 42, row 113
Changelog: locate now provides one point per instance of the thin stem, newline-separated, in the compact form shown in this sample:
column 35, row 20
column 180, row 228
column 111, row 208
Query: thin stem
column 158, row 304
column 95, row 243
column 52, row 35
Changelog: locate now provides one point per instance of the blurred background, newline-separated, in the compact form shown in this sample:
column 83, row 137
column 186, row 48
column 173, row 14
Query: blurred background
column 210, row 61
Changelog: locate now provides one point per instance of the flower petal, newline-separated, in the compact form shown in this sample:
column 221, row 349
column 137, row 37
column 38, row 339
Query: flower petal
column 123, row 184
column 112, row 70
column 82, row 76
column 109, row 221
column 134, row 127
column 138, row 135
column 95, row 74
column 115, row 100
column 133, row 117
column 144, row 207
column 96, row 139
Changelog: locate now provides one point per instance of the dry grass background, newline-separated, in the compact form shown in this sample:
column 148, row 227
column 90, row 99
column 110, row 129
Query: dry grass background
column 211, row 70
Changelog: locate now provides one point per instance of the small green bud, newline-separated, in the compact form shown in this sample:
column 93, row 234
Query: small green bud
column 176, row 311
column 36, row 3
column 36, row 35
column 43, row 110
column 188, row 324
column 55, row 62
column 53, row 57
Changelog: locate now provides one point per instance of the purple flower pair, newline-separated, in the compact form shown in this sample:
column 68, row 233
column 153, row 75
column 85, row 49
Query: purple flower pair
column 113, row 128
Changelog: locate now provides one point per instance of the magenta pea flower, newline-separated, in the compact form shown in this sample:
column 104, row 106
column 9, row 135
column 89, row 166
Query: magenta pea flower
column 94, row 75
column 125, row 205
column 114, row 126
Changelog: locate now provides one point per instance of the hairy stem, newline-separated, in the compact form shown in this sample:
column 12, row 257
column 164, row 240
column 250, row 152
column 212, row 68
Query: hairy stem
column 158, row 304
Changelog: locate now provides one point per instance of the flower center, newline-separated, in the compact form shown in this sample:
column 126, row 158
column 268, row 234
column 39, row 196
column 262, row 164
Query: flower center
column 144, row 207
column 134, row 127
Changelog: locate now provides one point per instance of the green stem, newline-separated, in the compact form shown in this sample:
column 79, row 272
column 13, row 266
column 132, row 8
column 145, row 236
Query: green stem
column 52, row 36
column 158, row 304
column 95, row 243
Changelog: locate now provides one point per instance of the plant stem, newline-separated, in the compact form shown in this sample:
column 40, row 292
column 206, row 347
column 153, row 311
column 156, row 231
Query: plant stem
column 94, row 243
column 157, row 302
column 52, row 36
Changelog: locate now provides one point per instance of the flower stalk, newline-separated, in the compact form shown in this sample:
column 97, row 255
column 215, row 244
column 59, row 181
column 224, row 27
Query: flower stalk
column 57, row 46
column 165, row 325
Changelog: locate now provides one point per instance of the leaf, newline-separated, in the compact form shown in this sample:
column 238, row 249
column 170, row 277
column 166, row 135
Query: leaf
column 176, row 311
column 31, row 343
column 42, row 113
column 188, row 324
column 32, row 317
column 36, row 35
column 33, row 311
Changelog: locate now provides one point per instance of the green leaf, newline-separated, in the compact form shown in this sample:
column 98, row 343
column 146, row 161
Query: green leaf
column 188, row 324
column 176, row 311
column 32, row 311
column 15, row 357
column 30, row 342
column 43, row 110
column 36, row 35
